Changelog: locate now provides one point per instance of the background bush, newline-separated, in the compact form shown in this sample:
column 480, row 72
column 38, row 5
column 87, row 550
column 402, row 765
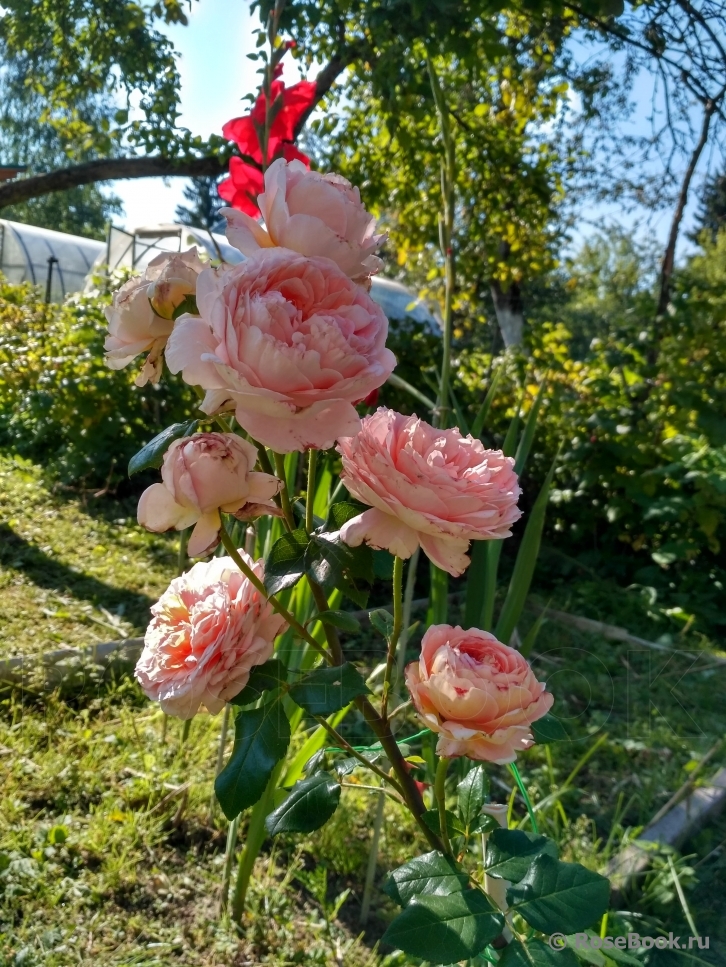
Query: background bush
column 59, row 402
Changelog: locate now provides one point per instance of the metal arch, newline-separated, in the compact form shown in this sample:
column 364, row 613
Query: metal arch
column 28, row 260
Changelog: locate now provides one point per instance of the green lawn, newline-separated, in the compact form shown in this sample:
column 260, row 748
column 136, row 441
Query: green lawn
column 110, row 852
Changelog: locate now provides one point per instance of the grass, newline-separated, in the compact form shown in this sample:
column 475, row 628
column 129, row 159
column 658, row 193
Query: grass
column 110, row 854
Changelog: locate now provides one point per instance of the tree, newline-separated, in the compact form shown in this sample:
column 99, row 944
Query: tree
column 711, row 215
column 205, row 204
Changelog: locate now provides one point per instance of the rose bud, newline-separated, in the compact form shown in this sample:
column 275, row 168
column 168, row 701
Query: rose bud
column 203, row 474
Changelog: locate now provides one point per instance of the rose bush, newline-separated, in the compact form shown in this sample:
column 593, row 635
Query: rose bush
column 428, row 487
column 203, row 474
column 141, row 316
column 209, row 629
column 478, row 695
column 289, row 342
column 313, row 214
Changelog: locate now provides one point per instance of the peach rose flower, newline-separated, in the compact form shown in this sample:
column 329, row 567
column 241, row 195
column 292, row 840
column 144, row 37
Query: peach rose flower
column 141, row 316
column 313, row 214
column 203, row 474
column 425, row 486
column 479, row 695
column 209, row 628
column 289, row 342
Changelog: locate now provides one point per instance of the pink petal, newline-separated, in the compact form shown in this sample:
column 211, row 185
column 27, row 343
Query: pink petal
column 158, row 511
column 317, row 426
column 449, row 554
column 381, row 531
column 205, row 535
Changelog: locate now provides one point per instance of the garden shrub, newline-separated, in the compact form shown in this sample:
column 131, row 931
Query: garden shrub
column 60, row 404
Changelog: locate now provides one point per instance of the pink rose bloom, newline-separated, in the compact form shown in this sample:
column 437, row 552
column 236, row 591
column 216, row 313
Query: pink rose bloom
column 209, row 628
column 289, row 342
column 479, row 695
column 313, row 214
column 425, row 486
column 203, row 474
column 141, row 315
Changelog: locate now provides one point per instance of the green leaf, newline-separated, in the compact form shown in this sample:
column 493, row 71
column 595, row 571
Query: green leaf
column 511, row 852
column 444, row 929
column 530, row 426
column 285, row 563
column 433, row 873
column 189, row 304
column 325, row 690
column 339, row 619
column 333, row 564
column 383, row 565
column 483, row 824
column 262, row 678
column 473, row 792
column 152, row 455
column 535, row 953
column 525, row 562
column 548, row 729
column 261, row 738
column 341, row 513
column 557, row 897
column 454, row 826
column 382, row 621
column 479, row 420
column 309, row 806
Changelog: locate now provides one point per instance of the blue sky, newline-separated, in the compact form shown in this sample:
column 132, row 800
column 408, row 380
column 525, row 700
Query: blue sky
column 216, row 74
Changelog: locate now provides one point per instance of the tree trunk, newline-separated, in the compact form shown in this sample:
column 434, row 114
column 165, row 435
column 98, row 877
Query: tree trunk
column 669, row 256
column 508, row 308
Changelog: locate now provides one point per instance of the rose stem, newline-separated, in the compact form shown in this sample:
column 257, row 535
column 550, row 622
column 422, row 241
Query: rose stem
column 255, row 581
column 395, row 633
column 379, row 726
column 407, row 604
column 440, row 793
column 343, row 744
column 309, row 500
column 229, row 856
column 284, row 495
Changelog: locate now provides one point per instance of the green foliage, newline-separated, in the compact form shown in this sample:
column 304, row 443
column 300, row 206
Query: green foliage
column 472, row 794
column 261, row 738
column 510, row 852
column 456, row 926
column 308, row 806
column 557, row 897
column 60, row 403
column 430, row 874
column 328, row 689
column 152, row 454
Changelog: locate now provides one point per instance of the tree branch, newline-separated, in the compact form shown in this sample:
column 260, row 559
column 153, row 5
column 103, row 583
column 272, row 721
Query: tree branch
column 670, row 252
column 113, row 169
column 108, row 169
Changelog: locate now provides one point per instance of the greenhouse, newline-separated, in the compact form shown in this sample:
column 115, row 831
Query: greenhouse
column 57, row 262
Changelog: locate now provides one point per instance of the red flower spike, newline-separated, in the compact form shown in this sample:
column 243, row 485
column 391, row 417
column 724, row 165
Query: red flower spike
column 242, row 187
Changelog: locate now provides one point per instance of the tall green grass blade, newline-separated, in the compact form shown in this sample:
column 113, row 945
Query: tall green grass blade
column 493, row 552
column 411, row 390
column 510, row 440
column 475, row 578
column 463, row 425
column 530, row 428
column 525, row 564
column 525, row 795
column 480, row 418
column 439, row 598
column 531, row 636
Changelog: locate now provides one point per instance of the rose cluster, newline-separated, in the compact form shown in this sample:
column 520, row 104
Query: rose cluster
column 290, row 341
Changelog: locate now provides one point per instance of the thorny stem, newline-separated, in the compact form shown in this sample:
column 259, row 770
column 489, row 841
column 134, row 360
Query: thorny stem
column 255, row 581
column 440, row 793
column 312, row 466
column 284, row 495
column 343, row 744
column 395, row 633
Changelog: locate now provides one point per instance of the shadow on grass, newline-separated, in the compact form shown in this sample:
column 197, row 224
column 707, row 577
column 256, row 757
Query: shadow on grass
column 47, row 572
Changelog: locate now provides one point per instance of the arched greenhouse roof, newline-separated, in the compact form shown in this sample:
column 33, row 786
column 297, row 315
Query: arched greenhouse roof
column 32, row 254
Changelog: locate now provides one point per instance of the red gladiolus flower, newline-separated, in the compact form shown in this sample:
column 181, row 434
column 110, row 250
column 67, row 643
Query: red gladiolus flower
column 242, row 187
column 289, row 104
